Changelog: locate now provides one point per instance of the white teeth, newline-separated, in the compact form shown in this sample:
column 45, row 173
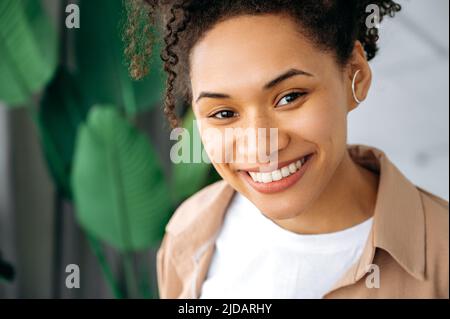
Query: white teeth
column 259, row 177
column 277, row 174
column 266, row 177
column 292, row 168
column 285, row 172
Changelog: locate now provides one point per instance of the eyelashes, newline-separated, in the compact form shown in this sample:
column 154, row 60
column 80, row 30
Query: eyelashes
column 295, row 95
column 224, row 114
column 289, row 99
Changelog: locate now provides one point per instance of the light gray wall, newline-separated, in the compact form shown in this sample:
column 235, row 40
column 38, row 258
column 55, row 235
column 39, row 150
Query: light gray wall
column 26, row 211
column 406, row 114
column 7, row 225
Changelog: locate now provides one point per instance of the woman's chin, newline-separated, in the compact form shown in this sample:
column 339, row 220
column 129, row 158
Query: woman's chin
column 279, row 214
column 280, row 206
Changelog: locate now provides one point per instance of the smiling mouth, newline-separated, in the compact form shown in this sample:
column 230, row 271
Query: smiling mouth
column 279, row 174
column 280, row 179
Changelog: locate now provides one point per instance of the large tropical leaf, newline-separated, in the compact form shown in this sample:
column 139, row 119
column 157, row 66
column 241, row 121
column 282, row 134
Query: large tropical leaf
column 101, row 61
column 190, row 177
column 61, row 112
column 28, row 50
column 118, row 184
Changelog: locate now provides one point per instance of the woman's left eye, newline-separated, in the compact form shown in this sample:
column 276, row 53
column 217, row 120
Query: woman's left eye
column 291, row 97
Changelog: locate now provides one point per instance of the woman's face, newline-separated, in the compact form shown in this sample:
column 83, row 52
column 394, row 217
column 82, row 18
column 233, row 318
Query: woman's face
column 235, row 79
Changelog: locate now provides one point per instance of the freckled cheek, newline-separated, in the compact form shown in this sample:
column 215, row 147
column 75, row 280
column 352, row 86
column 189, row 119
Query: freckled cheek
column 216, row 145
column 321, row 124
column 213, row 143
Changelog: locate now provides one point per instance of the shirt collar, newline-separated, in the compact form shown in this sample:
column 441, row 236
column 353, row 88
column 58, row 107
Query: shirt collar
column 399, row 220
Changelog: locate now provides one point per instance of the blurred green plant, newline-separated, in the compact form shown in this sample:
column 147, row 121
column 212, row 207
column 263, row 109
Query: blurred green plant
column 119, row 186
column 98, row 159
column 28, row 50
column 62, row 110
column 120, row 192
column 100, row 61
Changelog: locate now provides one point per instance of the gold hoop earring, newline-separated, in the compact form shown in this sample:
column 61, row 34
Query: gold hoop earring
column 354, row 87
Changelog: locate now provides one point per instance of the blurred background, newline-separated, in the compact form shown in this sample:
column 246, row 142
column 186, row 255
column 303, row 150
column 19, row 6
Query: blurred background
column 406, row 114
column 85, row 174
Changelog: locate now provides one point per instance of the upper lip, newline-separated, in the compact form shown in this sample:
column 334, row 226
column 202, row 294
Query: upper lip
column 279, row 165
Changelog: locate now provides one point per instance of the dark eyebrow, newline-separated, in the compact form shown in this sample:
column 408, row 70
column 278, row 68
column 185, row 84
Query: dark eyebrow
column 283, row 77
column 212, row 96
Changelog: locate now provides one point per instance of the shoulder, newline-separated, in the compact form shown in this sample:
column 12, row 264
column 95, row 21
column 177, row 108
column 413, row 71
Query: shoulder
column 211, row 197
column 194, row 219
column 436, row 216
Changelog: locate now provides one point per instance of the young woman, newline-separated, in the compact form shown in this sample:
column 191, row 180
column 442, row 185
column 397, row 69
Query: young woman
column 329, row 220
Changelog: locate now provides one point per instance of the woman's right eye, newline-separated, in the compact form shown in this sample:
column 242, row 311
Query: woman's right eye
column 225, row 114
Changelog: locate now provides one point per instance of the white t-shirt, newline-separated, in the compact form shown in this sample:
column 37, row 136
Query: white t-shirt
column 256, row 258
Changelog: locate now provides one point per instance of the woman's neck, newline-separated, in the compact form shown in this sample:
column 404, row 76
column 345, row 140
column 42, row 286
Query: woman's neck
column 349, row 199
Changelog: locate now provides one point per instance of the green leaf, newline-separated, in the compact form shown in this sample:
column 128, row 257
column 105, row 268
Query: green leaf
column 118, row 184
column 28, row 50
column 61, row 112
column 101, row 61
column 188, row 178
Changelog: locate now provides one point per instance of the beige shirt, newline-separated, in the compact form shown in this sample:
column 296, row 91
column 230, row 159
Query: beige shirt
column 406, row 255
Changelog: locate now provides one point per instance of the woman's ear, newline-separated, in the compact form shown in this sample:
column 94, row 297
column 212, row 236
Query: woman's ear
column 358, row 77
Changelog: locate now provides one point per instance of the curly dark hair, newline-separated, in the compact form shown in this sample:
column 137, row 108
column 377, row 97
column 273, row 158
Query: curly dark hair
column 333, row 25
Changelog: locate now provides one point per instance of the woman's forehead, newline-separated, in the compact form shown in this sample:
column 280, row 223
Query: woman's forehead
column 250, row 49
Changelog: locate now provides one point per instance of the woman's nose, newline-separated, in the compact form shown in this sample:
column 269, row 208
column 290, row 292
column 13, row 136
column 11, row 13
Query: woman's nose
column 262, row 143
